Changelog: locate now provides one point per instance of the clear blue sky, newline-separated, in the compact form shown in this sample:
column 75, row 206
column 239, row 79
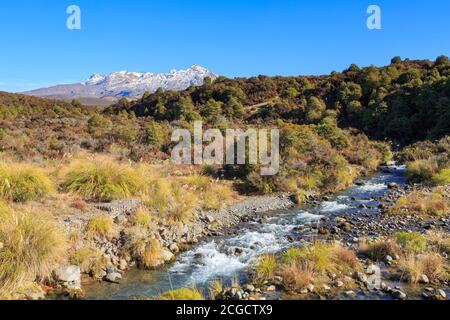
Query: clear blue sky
column 230, row 37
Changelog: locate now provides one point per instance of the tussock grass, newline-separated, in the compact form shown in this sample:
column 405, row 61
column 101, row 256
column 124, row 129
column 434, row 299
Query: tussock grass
column 265, row 267
column 100, row 226
column 297, row 275
column 422, row 203
column 90, row 260
column 33, row 245
column 148, row 252
column 413, row 242
column 23, row 182
column 141, row 218
column 183, row 294
column 214, row 288
column 431, row 264
column 103, row 180
column 379, row 249
column 421, row 170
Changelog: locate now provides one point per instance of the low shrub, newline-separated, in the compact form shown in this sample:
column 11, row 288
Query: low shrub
column 413, row 242
column 22, row 182
column 441, row 178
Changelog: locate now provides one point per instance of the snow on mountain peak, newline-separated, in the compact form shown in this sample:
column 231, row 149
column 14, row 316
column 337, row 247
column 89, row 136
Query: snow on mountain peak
column 129, row 84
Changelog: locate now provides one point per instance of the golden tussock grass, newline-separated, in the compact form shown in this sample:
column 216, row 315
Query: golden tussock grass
column 100, row 226
column 103, row 180
column 33, row 245
column 23, row 182
column 183, row 294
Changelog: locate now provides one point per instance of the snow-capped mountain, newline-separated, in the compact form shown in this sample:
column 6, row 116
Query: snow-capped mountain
column 127, row 84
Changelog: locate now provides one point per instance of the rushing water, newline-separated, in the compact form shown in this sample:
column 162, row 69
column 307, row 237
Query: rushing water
column 228, row 257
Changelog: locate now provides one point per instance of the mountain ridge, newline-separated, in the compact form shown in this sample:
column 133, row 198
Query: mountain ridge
column 127, row 84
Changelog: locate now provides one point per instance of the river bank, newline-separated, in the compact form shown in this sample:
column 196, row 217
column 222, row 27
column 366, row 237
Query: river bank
column 230, row 256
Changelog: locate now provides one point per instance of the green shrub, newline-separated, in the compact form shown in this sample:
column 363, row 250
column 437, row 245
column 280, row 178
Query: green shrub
column 412, row 241
column 441, row 178
column 22, row 182
column 103, row 181
column 183, row 294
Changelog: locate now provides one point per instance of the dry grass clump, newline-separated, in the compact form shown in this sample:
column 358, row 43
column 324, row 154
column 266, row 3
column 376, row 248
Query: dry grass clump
column 103, row 180
column 182, row 294
column 148, row 252
column 171, row 201
column 314, row 263
column 90, row 260
column 33, row 245
column 141, row 218
column 430, row 264
column 297, row 275
column 423, row 203
column 100, row 226
column 379, row 249
column 23, row 182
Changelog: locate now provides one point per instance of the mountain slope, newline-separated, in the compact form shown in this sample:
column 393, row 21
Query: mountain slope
column 127, row 84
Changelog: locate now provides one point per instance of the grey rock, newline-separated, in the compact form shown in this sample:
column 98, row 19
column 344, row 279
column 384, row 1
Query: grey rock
column 68, row 273
column 113, row 277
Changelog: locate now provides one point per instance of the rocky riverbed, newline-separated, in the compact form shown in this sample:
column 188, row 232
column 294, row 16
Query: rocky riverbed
column 224, row 245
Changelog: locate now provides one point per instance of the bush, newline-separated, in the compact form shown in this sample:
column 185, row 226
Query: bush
column 21, row 182
column 33, row 246
column 413, row 242
column 183, row 294
column 103, row 181
column 100, row 226
column 441, row 178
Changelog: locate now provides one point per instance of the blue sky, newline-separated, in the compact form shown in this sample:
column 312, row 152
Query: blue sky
column 230, row 37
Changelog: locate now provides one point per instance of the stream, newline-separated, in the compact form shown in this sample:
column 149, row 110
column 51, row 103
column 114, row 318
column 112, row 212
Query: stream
column 228, row 257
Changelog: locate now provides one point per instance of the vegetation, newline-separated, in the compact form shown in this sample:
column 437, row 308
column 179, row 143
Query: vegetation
column 103, row 181
column 23, row 182
column 183, row 294
column 432, row 204
column 33, row 246
column 100, row 226
column 413, row 242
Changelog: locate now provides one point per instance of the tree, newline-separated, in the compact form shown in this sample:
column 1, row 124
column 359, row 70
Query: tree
column 315, row 110
column 442, row 61
column 396, row 60
column 349, row 91
column 212, row 110
column 290, row 93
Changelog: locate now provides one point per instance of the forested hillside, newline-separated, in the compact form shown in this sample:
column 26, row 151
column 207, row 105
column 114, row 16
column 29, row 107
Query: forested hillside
column 405, row 101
